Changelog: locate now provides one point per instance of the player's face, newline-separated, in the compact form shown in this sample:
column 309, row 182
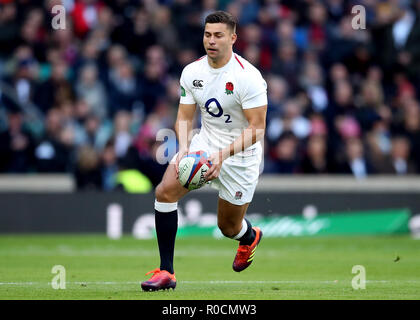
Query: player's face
column 218, row 40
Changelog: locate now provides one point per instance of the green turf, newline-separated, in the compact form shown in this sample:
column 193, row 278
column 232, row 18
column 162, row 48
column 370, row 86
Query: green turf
column 284, row 268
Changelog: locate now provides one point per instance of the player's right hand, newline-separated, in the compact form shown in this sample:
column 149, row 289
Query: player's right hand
column 216, row 160
column 181, row 154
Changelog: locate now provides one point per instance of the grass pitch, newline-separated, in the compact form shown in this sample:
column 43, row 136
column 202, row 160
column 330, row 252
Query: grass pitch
column 284, row 268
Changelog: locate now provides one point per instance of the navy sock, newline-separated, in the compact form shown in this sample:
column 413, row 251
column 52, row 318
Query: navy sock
column 166, row 228
column 249, row 236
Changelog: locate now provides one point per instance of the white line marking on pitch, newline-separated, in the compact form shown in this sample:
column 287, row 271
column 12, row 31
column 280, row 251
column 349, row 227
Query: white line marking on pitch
column 203, row 282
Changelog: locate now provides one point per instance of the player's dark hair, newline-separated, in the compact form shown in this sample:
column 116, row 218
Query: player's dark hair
column 222, row 17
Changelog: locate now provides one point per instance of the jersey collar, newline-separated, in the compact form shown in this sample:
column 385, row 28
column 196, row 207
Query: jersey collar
column 218, row 70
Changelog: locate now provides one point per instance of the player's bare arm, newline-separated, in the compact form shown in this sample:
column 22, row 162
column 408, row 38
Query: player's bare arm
column 254, row 132
column 183, row 128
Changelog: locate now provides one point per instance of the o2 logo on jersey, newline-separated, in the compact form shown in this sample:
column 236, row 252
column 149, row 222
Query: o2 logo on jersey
column 219, row 112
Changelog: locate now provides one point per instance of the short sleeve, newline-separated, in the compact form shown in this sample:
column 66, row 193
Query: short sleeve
column 186, row 95
column 255, row 94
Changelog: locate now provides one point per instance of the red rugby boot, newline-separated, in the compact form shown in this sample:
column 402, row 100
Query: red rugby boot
column 245, row 253
column 160, row 280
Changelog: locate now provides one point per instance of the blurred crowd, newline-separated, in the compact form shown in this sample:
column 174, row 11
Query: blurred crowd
column 90, row 98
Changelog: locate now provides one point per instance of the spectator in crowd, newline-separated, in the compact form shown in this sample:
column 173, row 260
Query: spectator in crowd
column 52, row 153
column 312, row 80
column 97, row 132
column 125, row 90
column 317, row 158
column 33, row 33
column 85, row 16
column 355, row 161
column 370, row 103
column 109, row 167
column 317, row 26
column 285, row 32
column 87, row 172
column 68, row 119
column 316, row 161
column 115, row 56
column 292, row 120
column 122, row 136
column 16, row 145
column 278, row 91
column 343, row 43
column 65, row 46
column 286, row 64
column 397, row 34
column 90, row 89
column 9, row 28
column 139, row 35
column 162, row 25
column 399, row 161
column 22, row 80
column 378, row 145
column 285, row 155
column 409, row 125
column 152, row 82
column 56, row 89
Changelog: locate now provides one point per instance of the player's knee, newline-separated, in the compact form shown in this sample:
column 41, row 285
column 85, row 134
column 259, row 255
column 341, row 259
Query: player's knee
column 160, row 193
column 164, row 194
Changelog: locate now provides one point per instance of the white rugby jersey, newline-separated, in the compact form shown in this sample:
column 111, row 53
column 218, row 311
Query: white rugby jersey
column 221, row 94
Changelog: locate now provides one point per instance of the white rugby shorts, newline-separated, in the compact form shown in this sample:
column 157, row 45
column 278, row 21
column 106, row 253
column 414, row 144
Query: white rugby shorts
column 239, row 174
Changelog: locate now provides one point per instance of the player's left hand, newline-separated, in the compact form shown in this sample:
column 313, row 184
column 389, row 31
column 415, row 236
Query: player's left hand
column 216, row 161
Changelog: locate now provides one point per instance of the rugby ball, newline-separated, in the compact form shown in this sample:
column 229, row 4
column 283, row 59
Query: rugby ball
column 192, row 170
